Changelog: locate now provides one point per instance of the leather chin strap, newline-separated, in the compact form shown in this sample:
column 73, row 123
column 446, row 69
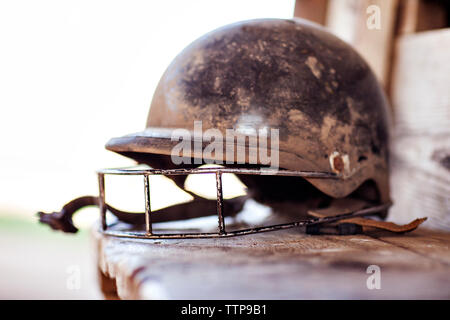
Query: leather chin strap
column 342, row 206
column 62, row 220
column 201, row 207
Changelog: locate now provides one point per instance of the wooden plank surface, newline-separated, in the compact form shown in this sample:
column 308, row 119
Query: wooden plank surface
column 427, row 243
column 278, row 265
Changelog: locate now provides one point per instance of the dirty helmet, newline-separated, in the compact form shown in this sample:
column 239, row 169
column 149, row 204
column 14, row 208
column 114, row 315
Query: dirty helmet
column 321, row 112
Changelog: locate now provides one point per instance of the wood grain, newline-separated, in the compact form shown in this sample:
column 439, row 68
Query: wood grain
column 277, row 265
column 420, row 175
column 420, row 83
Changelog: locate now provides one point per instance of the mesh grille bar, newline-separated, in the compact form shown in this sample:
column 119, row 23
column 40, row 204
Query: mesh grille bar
column 149, row 234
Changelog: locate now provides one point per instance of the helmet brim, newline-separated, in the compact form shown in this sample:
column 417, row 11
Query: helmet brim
column 162, row 141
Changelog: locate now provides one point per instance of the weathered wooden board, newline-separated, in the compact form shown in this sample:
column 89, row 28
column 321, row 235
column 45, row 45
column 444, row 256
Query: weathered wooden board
column 420, row 180
column 421, row 147
column 425, row 242
column 277, row 265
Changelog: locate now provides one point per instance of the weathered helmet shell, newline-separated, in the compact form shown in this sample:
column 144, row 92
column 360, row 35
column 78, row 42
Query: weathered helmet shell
column 290, row 75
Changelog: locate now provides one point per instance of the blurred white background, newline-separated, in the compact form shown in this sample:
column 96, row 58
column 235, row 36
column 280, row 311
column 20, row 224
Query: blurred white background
column 72, row 75
column 75, row 73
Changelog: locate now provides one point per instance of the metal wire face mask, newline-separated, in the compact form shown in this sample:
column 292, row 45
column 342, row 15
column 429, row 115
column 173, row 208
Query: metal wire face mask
column 64, row 217
column 63, row 220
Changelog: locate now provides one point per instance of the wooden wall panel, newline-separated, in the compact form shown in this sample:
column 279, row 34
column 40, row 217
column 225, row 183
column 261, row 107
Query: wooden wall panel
column 349, row 20
column 421, row 15
column 313, row 10
column 420, row 97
